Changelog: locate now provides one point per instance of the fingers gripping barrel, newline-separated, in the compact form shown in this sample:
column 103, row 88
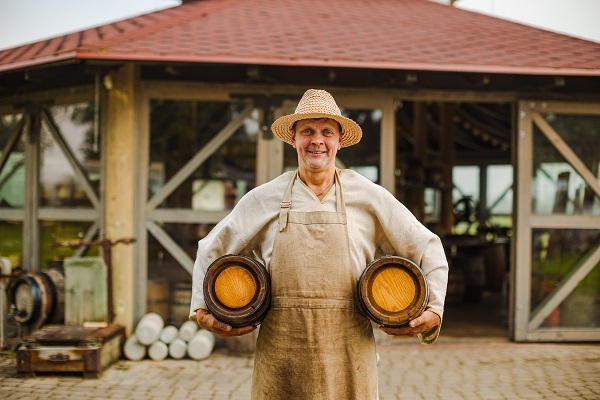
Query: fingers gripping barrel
column 393, row 290
column 237, row 290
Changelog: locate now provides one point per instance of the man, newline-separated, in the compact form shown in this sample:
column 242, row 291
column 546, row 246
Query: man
column 316, row 229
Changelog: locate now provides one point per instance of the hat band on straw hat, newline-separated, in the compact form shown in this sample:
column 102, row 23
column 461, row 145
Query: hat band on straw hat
column 317, row 104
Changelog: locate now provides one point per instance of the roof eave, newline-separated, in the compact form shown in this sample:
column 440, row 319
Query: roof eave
column 36, row 62
column 299, row 62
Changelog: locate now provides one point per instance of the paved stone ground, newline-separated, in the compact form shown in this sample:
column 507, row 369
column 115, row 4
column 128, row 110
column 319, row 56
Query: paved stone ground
column 449, row 369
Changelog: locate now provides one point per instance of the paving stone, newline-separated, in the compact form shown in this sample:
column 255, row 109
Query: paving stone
column 408, row 371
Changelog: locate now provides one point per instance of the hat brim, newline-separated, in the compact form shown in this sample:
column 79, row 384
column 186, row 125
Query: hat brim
column 351, row 131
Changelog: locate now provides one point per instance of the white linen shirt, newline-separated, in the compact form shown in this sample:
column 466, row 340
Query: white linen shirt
column 378, row 225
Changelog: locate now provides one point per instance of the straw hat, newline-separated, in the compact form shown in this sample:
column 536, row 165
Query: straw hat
column 317, row 104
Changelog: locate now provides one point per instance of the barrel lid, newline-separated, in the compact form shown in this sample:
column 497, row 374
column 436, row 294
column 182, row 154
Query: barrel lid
column 237, row 290
column 392, row 291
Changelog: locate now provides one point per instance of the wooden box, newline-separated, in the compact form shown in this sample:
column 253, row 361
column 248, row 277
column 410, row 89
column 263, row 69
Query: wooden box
column 71, row 348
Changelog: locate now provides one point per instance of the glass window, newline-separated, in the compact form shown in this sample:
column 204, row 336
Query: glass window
column 11, row 241
column 432, row 210
column 12, row 189
column 181, row 129
column 55, row 233
column 557, row 187
column 60, row 185
column 557, row 253
column 12, row 175
column 500, row 195
column 465, row 197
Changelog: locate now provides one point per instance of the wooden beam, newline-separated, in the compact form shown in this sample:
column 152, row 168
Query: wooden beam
column 523, row 247
column 31, row 227
column 388, row 146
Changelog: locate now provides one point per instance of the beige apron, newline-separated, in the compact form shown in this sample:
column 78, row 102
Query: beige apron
column 313, row 344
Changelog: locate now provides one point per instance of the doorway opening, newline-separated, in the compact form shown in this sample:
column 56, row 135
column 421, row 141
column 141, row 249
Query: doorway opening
column 455, row 173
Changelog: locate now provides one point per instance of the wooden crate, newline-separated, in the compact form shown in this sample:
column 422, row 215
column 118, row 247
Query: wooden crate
column 71, row 348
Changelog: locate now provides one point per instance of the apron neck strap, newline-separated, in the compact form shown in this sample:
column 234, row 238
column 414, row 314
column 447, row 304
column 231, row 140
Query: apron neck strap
column 339, row 196
column 286, row 203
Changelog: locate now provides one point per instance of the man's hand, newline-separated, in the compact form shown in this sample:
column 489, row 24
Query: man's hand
column 424, row 323
column 207, row 321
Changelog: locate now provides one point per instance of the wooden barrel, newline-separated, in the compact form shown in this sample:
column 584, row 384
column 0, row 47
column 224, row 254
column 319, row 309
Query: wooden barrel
column 57, row 286
column 237, row 290
column 392, row 291
column 180, row 302
column 37, row 298
column 158, row 295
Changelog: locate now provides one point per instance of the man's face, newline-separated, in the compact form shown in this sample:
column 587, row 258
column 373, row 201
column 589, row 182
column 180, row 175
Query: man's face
column 317, row 141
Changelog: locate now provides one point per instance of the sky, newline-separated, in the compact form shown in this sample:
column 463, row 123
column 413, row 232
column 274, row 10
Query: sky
column 27, row 21
column 578, row 18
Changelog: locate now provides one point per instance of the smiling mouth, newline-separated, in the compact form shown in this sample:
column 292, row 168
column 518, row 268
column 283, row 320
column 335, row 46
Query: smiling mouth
column 316, row 152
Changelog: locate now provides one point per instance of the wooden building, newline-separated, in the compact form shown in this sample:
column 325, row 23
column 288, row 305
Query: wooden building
column 152, row 127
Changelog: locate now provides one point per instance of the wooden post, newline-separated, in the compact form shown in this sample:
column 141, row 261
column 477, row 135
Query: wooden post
column 447, row 156
column 121, row 175
column 31, row 225
column 417, row 198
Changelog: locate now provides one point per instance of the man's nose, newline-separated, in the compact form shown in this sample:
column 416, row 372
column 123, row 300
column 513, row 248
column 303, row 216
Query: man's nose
column 317, row 137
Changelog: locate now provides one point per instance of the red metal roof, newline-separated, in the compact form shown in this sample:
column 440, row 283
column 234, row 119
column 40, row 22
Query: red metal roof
column 392, row 34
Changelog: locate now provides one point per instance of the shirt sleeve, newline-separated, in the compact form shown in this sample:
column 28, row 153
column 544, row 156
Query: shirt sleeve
column 405, row 236
column 425, row 249
column 223, row 239
column 429, row 337
column 243, row 231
